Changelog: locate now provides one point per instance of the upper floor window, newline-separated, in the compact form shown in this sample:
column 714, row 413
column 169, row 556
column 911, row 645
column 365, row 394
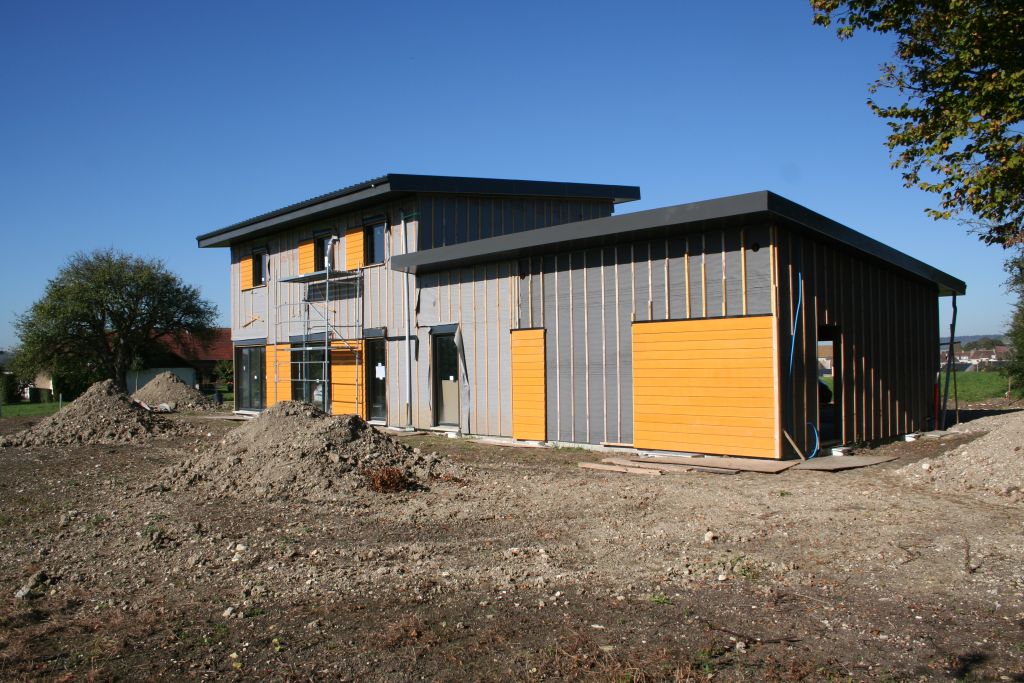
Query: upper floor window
column 258, row 263
column 373, row 238
column 322, row 252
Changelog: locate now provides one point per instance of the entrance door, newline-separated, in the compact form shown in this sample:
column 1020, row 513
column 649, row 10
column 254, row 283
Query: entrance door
column 249, row 389
column 376, row 379
column 446, row 381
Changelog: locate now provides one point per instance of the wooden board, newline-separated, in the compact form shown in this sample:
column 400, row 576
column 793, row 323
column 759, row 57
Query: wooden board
column 618, row 468
column 354, row 249
column 307, row 258
column 834, row 463
column 279, row 373
column 348, row 383
column 529, row 407
column 741, row 464
column 669, row 469
column 245, row 272
column 706, row 386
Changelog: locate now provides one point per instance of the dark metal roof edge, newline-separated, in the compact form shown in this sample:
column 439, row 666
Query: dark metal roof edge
column 802, row 217
column 403, row 183
column 748, row 206
column 512, row 187
column 515, row 244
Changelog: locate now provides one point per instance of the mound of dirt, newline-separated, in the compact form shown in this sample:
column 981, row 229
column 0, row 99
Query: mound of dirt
column 993, row 463
column 168, row 388
column 102, row 415
column 294, row 450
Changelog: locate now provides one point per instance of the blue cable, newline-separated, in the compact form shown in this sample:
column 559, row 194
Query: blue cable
column 816, row 440
column 792, row 349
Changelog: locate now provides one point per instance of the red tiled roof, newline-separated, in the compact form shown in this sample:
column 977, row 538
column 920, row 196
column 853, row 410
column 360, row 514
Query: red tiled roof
column 217, row 348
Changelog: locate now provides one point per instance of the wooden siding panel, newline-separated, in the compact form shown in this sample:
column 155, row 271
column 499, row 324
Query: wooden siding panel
column 348, row 383
column 354, row 249
column 245, row 272
column 693, row 395
column 529, row 387
column 278, row 373
column 307, row 251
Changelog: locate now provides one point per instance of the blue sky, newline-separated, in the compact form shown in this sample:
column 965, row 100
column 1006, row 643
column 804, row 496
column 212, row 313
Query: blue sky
column 141, row 125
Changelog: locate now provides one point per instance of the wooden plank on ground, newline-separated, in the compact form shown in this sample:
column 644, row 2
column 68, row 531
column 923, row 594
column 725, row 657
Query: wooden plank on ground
column 668, row 469
column 834, row 463
column 740, row 464
column 618, row 468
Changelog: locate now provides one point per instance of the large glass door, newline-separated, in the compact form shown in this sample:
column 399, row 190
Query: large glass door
column 250, row 364
column 446, row 380
column 376, row 380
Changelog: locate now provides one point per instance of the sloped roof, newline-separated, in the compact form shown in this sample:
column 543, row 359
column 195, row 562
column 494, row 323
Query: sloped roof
column 740, row 209
column 396, row 185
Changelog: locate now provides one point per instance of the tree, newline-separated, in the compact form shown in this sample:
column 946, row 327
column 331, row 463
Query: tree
column 958, row 133
column 1015, row 283
column 102, row 313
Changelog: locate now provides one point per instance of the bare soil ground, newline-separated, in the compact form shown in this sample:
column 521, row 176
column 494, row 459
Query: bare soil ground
column 524, row 567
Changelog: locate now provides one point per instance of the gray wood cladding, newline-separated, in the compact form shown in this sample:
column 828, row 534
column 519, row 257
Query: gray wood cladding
column 887, row 353
column 587, row 300
column 453, row 219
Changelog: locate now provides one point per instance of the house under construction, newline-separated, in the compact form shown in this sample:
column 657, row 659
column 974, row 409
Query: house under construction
column 527, row 310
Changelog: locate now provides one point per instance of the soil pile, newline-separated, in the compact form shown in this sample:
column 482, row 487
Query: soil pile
column 168, row 388
column 994, row 463
column 102, row 415
column 296, row 451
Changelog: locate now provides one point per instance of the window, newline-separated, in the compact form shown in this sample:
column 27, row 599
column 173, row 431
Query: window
column 259, row 267
column 373, row 238
column 321, row 251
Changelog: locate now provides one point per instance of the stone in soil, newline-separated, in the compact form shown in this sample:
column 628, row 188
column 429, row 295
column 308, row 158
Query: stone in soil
column 103, row 415
column 168, row 388
column 992, row 464
column 294, row 450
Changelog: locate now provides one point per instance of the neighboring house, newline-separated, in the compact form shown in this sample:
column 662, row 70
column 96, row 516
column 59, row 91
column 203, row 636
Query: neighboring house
column 527, row 310
column 188, row 358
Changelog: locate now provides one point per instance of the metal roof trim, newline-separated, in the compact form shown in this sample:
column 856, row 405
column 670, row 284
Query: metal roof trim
column 395, row 185
column 733, row 210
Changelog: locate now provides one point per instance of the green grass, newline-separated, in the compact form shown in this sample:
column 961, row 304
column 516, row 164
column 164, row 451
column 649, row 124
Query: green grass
column 976, row 386
column 28, row 409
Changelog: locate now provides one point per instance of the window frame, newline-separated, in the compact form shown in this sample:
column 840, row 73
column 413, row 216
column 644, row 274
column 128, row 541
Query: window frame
column 369, row 227
column 260, row 258
column 321, row 245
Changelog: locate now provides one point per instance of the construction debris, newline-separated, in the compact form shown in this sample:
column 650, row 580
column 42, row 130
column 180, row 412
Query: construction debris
column 104, row 414
column 294, row 450
column 168, row 389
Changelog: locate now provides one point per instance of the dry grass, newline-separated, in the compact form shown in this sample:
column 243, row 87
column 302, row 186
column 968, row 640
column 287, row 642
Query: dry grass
column 388, row 480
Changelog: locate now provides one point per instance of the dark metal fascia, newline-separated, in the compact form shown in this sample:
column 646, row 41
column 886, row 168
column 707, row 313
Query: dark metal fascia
column 802, row 218
column 502, row 186
column 594, row 232
column 283, row 219
column 741, row 209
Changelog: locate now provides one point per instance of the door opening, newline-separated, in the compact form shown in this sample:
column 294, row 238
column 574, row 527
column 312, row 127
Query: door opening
column 249, row 361
column 376, row 380
column 830, row 390
column 446, row 381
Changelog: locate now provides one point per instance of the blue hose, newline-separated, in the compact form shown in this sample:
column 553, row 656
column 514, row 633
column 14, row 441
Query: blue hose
column 792, row 349
column 817, row 441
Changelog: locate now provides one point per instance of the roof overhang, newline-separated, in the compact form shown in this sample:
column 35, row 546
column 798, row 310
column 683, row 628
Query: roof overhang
column 752, row 208
column 397, row 185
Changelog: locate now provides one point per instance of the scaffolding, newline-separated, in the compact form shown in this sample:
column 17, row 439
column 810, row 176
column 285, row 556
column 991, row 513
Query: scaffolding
column 329, row 314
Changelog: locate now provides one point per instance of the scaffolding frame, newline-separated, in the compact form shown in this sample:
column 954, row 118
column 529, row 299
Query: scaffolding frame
column 319, row 332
